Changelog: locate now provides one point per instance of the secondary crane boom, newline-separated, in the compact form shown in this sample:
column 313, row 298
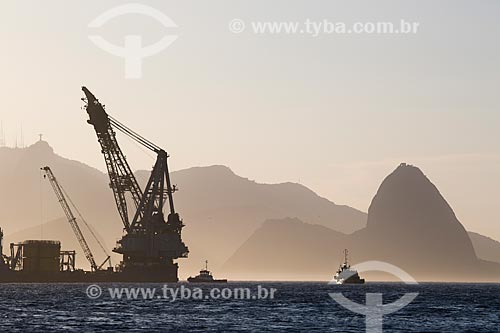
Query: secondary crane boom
column 61, row 197
column 151, row 241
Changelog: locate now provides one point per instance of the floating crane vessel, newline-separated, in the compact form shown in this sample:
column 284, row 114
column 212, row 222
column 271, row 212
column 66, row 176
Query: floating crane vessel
column 151, row 243
column 152, row 237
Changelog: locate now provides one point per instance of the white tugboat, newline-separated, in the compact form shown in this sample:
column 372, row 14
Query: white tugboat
column 346, row 275
column 205, row 276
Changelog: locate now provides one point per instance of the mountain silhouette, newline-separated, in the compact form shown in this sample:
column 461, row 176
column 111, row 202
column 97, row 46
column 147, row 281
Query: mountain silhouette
column 287, row 249
column 486, row 248
column 409, row 225
column 28, row 200
column 220, row 209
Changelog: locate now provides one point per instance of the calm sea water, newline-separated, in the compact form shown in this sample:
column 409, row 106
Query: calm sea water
column 297, row 307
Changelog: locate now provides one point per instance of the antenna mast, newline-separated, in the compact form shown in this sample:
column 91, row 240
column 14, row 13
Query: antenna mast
column 22, row 136
column 2, row 135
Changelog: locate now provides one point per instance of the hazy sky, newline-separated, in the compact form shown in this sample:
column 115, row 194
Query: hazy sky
column 335, row 112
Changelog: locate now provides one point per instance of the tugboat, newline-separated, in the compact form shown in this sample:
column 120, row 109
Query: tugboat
column 346, row 275
column 205, row 276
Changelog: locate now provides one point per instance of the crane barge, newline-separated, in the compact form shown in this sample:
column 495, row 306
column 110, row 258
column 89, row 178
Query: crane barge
column 152, row 233
column 151, row 242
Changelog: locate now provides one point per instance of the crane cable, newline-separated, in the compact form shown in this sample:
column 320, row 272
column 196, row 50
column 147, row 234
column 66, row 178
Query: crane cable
column 140, row 147
column 140, row 139
column 84, row 221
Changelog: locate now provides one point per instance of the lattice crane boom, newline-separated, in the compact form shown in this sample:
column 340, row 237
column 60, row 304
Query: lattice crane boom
column 122, row 179
column 59, row 191
column 152, row 239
